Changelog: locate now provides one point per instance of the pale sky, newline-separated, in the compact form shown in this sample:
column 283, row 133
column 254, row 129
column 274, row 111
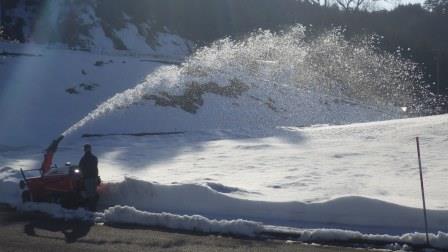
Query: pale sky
column 390, row 4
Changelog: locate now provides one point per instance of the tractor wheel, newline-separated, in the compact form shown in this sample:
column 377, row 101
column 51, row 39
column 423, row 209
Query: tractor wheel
column 26, row 196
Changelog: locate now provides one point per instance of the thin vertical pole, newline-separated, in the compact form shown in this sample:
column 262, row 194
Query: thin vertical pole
column 438, row 72
column 423, row 190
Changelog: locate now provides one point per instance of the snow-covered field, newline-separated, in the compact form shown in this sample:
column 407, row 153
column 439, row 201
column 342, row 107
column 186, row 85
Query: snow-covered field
column 327, row 176
column 268, row 167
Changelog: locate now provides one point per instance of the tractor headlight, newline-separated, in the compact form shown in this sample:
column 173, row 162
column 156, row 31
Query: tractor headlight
column 76, row 170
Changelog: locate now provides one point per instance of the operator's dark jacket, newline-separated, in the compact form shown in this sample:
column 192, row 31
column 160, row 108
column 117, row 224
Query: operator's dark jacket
column 89, row 165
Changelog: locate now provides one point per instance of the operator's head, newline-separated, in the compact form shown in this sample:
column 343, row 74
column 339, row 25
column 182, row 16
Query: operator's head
column 87, row 148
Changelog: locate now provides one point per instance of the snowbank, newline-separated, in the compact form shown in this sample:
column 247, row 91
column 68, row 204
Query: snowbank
column 356, row 213
column 438, row 240
column 130, row 215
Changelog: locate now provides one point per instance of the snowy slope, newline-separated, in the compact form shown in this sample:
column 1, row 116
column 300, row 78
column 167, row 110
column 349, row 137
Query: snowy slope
column 43, row 91
column 86, row 25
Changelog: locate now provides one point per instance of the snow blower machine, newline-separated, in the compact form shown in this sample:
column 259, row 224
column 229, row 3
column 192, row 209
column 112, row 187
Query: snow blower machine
column 52, row 184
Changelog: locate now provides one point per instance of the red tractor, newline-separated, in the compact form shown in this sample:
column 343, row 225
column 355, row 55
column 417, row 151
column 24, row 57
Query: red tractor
column 62, row 185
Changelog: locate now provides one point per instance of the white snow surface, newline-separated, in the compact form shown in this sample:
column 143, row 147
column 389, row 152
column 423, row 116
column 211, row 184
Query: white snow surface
column 41, row 29
column 183, row 174
column 130, row 215
column 290, row 168
column 439, row 240
column 33, row 88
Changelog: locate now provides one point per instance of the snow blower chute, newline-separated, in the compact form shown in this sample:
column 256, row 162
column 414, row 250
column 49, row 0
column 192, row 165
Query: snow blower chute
column 61, row 185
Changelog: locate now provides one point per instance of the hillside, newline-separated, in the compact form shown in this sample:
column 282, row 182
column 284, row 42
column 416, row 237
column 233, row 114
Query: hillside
column 83, row 25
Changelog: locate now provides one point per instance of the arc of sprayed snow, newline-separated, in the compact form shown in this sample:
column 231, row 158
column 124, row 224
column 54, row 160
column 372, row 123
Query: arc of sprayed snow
column 162, row 77
column 117, row 101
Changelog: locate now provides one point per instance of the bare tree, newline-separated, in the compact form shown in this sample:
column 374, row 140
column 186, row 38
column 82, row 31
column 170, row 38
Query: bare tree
column 348, row 5
column 352, row 5
column 325, row 3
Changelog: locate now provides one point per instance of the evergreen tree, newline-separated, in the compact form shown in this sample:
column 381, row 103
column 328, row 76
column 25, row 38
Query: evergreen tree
column 437, row 6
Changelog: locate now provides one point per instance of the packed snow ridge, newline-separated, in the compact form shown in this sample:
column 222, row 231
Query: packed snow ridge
column 126, row 215
column 130, row 216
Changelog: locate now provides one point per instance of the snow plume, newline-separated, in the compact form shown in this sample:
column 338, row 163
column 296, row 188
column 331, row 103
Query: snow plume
column 266, row 61
column 164, row 78
column 130, row 215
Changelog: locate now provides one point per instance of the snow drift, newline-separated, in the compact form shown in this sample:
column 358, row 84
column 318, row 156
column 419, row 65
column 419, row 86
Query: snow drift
column 126, row 215
column 439, row 240
column 130, row 216
column 353, row 213
column 356, row 213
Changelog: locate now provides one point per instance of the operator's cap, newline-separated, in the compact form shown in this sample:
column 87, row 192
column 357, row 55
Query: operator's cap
column 87, row 147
